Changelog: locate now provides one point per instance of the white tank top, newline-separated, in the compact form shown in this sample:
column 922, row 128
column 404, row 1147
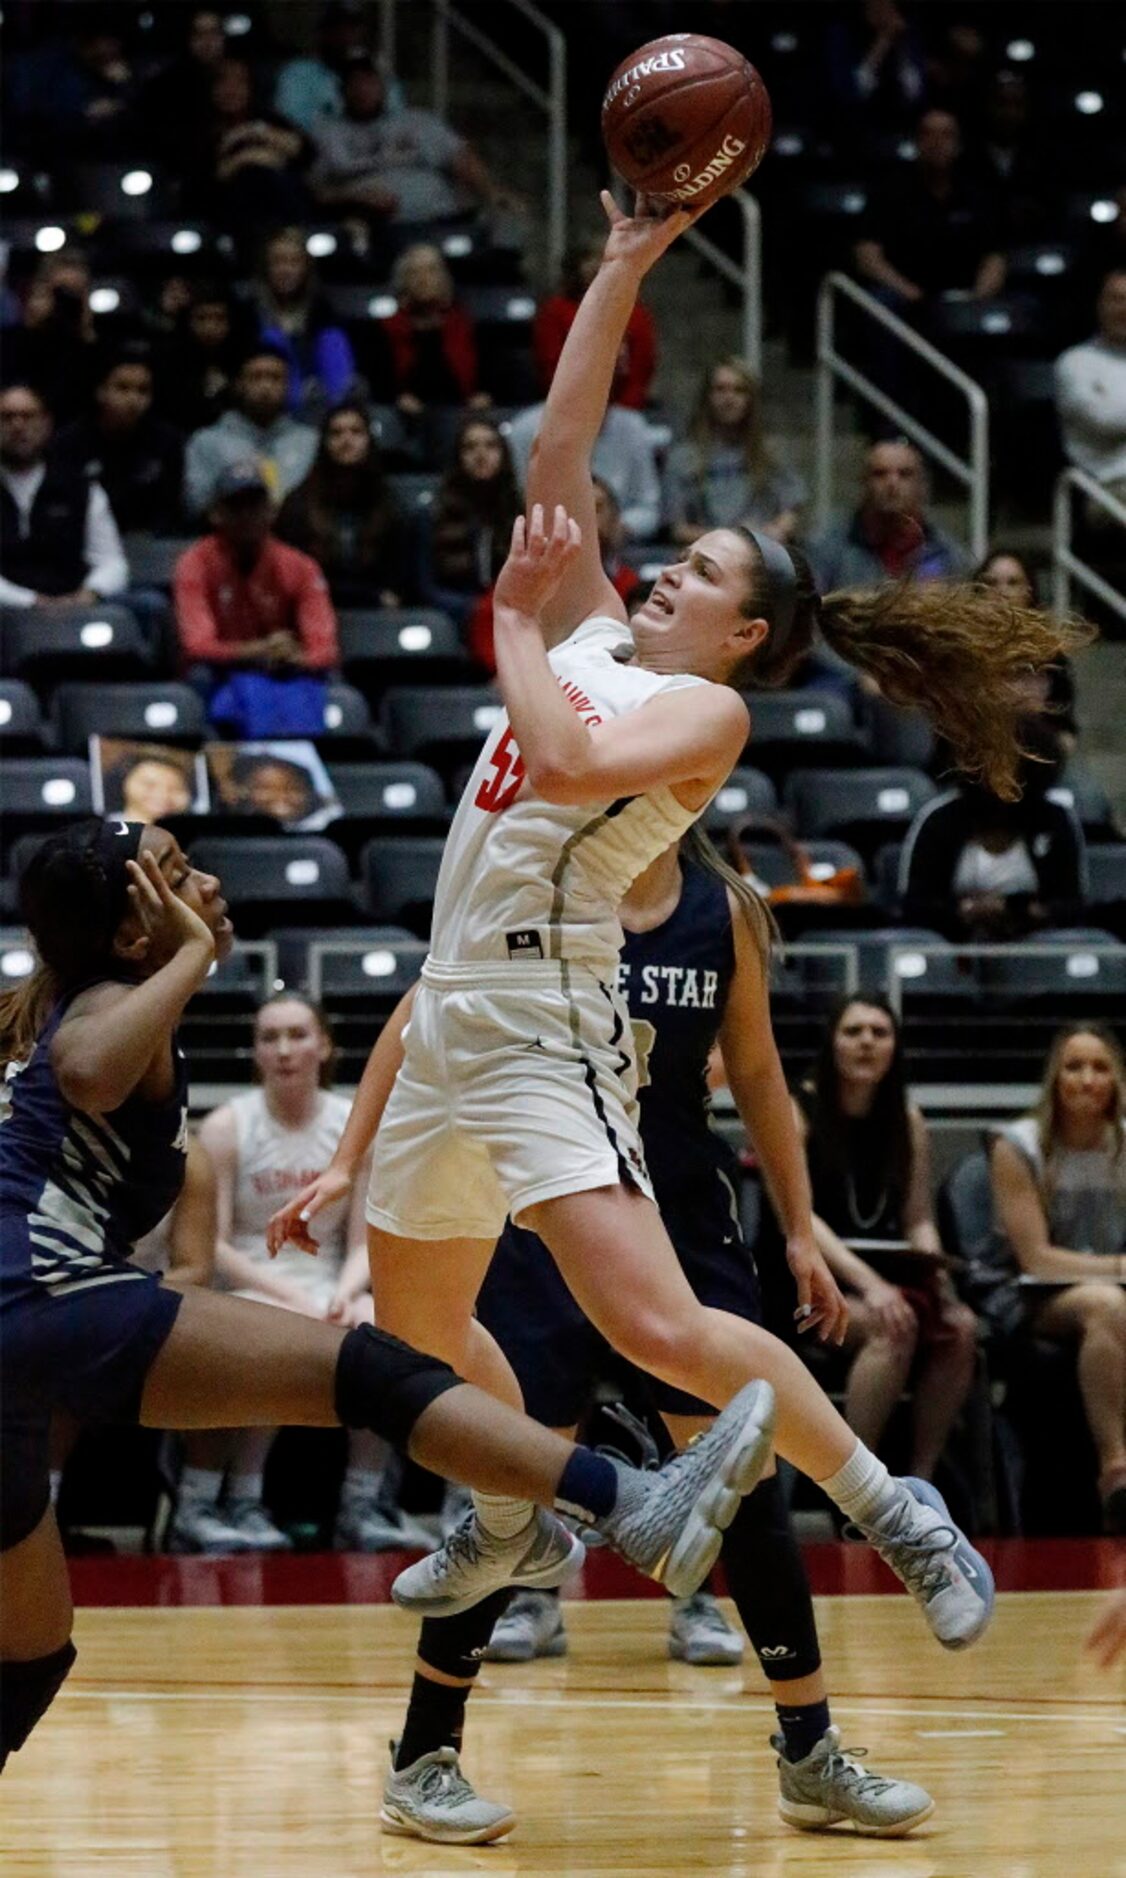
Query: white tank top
column 528, row 879
column 274, row 1163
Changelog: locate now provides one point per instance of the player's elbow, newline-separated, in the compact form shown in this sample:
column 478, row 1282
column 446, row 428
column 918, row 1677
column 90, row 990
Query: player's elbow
column 558, row 781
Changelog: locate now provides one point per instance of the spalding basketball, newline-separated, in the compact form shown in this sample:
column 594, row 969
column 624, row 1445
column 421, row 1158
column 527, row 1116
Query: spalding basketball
column 685, row 119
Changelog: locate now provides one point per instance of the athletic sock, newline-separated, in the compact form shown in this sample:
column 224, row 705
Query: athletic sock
column 200, row 1487
column 246, row 1487
column 591, row 1487
column 502, row 1516
column 862, row 1488
column 802, row 1727
column 360, row 1486
column 454, row 1646
column 56, row 1483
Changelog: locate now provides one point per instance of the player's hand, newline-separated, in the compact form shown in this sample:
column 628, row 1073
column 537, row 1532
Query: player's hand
column 290, row 1224
column 640, row 239
column 537, row 562
column 1107, row 1639
column 350, row 1312
column 167, row 922
column 821, row 1304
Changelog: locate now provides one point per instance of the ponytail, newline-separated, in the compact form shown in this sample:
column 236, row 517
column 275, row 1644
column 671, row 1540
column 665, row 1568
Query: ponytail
column 759, row 918
column 960, row 653
column 23, row 1012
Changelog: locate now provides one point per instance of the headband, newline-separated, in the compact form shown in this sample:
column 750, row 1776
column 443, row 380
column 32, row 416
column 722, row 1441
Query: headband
column 781, row 585
column 117, row 841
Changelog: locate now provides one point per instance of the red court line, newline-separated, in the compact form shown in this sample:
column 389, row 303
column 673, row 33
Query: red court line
column 351, row 1578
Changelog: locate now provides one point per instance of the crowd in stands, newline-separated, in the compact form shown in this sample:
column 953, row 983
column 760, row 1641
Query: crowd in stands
column 294, row 406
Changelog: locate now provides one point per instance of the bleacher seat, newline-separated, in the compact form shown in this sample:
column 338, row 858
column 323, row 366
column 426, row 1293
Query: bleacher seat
column 45, row 645
column 384, row 646
column 1106, row 873
column 443, row 727
column 40, row 792
column 1077, row 965
column 348, row 729
column 746, row 792
column 121, row 191
column 413, row 490
column 21, row 728
column 399, row 877
column 152, row 558
column 348, row 971
column 293, row 943
column 932, row 970
column 885, row 875
column 160, row 712
column 1077, row 789
column 17, row 961
column 375, row 796
column 792, row 728
column 862, row 806
column 898, row 736
column 770, row 861
column 267, row 877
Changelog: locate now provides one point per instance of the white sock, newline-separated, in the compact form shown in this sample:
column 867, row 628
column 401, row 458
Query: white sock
column 246, row 1487
column 501, row 1516
column 862, row 1488
column 201, row 1486
column 56, row 1483
column 360, row 1483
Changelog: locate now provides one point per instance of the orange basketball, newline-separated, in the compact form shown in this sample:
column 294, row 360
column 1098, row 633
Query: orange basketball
column 685, row 119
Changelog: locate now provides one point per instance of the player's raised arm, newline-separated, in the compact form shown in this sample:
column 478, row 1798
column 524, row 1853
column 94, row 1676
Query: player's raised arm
column 559, row 469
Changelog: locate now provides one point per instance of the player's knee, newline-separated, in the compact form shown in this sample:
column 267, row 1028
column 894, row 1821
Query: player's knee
column 1102, row 1306
column 385, row 1385
column 660, row 1344
column 27, row 1691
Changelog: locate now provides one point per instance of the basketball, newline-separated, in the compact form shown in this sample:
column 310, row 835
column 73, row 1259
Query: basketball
column 685, row 119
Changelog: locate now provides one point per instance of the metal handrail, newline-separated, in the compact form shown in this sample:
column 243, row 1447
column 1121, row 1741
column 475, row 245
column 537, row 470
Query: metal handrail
column 1043, row 949
column 1066, row 565
column 552, row 101
column 972, row 471
column 747, row 276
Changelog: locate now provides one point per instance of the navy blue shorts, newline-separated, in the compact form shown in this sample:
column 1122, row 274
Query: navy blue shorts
column 88, row 1351
column 555, row 1350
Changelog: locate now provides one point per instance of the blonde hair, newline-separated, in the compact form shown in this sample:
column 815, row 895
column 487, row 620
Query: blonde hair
column 1046, row 1114
column 757, row 460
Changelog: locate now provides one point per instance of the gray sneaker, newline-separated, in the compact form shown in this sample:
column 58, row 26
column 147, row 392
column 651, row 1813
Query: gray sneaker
column 671, row 1524
column 257, row 1528
column 432, row 1799
column 205, row 1529
column 531, row 1626
column 365, row 1526
column 473, row 1562
column 936, row 1562
column 700, row 1633
column 829, row 1786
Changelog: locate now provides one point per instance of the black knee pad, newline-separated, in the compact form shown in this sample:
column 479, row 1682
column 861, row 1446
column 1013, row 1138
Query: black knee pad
column 767, row 1579
column 27, row 1691
column 385, row 1385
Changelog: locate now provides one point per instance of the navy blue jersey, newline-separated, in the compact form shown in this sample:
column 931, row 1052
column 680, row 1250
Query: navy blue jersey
column 676, row 981
column 85, row 1187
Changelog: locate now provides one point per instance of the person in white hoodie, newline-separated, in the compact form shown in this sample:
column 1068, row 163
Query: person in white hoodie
column 258, row 428
column 1091, row 393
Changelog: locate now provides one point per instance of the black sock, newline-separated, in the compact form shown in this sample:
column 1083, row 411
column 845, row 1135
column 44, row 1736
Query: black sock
column 588, row 1485
column 454, row 1646
column 766, row 1578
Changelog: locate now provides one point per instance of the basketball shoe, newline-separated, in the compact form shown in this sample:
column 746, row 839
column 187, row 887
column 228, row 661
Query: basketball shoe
column 531, row 1626
column 700, row 1633
column 432, row 1799
column 830, row 1786
column 935, row 1561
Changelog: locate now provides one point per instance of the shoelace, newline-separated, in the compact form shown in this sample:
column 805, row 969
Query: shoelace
column 924, row 1567
column 841, row 1763
column 444, row 1786
column 461, row 1548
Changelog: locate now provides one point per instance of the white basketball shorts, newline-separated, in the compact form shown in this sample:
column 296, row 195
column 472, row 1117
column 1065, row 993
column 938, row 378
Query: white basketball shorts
column 518, row 1085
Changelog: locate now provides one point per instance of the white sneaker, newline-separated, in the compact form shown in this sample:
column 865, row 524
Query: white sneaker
column 432, row 1799
column 830, row 1786
column 365, row 1526
column 473, row 1562
column 932, row 1556
column 531, row 1626
column 252, row 1520
column 205, row 1529
column 700, row 1633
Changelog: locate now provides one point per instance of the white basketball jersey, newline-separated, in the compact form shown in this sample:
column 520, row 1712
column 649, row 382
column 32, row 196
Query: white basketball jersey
column 524, row 878
column 274, row 1163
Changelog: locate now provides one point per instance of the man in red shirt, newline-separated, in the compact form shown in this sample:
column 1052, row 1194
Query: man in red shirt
column 243, row 599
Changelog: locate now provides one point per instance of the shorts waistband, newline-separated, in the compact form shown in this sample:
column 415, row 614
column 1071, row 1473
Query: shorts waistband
column 501, row 975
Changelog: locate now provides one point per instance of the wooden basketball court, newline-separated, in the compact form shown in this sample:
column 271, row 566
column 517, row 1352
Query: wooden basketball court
column 224, row 1737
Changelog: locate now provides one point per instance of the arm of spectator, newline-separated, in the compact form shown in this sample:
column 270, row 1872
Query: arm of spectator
column 195, row 1223
column 316, row 621
column 919, row 1227
column 873, row 265
column 990, row 277
column 1021, row 1217
column 1089, row 395
column 219, row 1138
column 107, row 570
column 13, row 595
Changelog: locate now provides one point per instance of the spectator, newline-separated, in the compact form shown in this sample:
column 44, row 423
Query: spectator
column 137, row 459
column 889, row 536
column 250, row 173
column 296, row 318
column 1008, row 573
column 722, row 475
column 431, row 342
column 469, row 525
column 310, row 88
column 934, row 230
column 55, row 348
column 345, row 515
column 877, row 75
column 553, row 323
column 979, row 869
column 1103, row 252
column 258, row 427
column 399, row 166
column 623, row 457
column 1013, row 153
column 58, row 539
column 1059, row 1195
column 175, row 103
column 245, row 602
column 208, row 343
column 77, row 96
column 611, row 537
column 1091, row 395
column 263, row 1145
column 869, row 1159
